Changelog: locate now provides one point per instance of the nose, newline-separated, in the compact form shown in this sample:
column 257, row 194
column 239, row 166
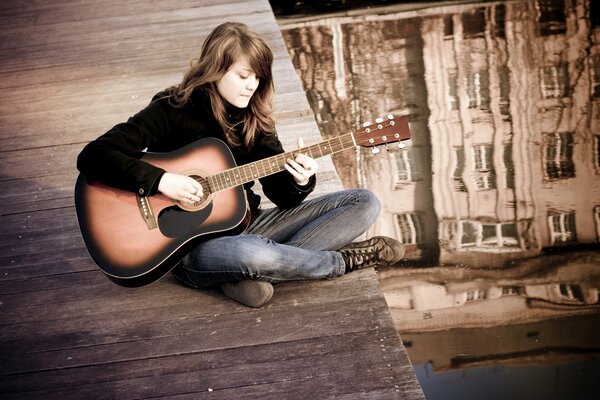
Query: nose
column 252, row 84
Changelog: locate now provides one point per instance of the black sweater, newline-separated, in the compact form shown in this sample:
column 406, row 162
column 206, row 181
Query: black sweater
column 114, row 158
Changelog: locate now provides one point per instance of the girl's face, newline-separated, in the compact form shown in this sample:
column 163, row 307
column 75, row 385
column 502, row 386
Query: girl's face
column 239, row 84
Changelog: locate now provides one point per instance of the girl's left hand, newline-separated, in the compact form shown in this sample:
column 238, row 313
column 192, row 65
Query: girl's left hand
column 302, row 167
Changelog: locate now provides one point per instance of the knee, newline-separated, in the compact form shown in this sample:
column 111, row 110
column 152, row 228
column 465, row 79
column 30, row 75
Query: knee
column 370, row 203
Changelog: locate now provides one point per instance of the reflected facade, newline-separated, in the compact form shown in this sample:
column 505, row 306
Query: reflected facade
column 498, row 198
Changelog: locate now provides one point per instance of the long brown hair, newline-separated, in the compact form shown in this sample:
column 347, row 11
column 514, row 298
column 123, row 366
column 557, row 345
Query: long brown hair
column 225, row 45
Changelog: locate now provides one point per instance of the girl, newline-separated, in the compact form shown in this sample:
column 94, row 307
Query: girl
column 227, row 94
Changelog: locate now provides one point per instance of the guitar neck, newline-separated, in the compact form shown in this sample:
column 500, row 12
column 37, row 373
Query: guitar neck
column 246, row 173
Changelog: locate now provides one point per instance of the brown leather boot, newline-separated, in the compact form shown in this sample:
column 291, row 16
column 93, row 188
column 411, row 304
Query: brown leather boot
column 379, row 250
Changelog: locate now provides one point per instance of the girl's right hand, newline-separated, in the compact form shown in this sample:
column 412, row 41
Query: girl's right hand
column 180, row 187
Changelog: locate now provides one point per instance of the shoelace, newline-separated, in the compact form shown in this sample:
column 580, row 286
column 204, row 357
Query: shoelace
column 360, row 257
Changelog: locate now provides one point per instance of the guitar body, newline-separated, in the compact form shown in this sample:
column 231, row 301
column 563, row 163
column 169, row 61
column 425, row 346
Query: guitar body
column 120, row 241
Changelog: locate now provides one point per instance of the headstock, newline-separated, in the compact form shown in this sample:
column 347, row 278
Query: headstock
column 385, row 130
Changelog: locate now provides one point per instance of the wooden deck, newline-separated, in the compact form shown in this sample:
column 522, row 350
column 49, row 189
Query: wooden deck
column 69, row 71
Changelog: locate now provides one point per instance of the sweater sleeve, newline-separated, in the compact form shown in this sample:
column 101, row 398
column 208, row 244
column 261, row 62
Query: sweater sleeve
column 114, row 158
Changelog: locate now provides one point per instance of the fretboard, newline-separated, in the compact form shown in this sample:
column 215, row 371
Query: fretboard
column 272, row 165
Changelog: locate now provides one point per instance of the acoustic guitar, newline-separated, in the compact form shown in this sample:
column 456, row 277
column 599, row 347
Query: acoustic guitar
column 136, row 240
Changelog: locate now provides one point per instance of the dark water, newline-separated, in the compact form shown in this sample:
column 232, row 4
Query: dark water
column 497, row 199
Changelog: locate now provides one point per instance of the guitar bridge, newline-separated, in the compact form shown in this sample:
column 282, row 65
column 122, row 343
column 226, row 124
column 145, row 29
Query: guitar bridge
column 146, row 210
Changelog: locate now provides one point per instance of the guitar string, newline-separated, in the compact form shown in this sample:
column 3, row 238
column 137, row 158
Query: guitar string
column 271, row 165
column 248, row 172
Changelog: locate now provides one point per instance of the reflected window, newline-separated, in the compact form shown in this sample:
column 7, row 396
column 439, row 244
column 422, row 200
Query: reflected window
column 478, row 90
column 448, row 27
column 558, row 155
column 504, row 82
column 474, row 23
column 571, row 292
column 499, row 20
column 597, row 219
column 485, row 175
column 594, row 14
column 474, row 295
column 562, row 227
column 511, row 290
column 552, row 17
column 597, row 153
column 459, row 184
column 406, row 162
column 595, row 76
column 487, row 236
column 555, row 81
column 509, row 166
column 453, row 92
column 411, row 227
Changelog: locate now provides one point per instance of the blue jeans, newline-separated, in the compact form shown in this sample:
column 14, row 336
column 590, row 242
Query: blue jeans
column 281, row 245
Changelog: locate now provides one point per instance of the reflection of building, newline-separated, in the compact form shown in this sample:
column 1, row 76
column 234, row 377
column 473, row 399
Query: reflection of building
column 454, row 318
column 355, row 72
column 433, row 298
column 422, row 306
column 509, row 90
column 505, row 108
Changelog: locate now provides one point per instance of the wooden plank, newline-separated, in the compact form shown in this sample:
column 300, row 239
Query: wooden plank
column 68, row 262
column 163, row 338
column 294, row 366
column 66, row 331
column 27, row 230
column 41, row 251
column 102, row 342
column 52, row 298
column 41, row 162
column 258, row 325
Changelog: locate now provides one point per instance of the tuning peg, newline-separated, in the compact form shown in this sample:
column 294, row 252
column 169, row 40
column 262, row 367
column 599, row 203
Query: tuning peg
column 375, row 150
column 390, row 116
column 366, row 123
column 378, row 120
column 404, row 143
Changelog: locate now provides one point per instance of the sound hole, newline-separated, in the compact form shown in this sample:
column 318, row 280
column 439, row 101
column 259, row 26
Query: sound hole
column 204, row 199
column 175, row 223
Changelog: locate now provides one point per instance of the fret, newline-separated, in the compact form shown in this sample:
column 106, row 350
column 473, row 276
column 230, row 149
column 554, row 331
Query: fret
column 228, row 178
column 311, row 153
column 216, row 181
column 246, row 173
column 213, row 183
column 320, row 149
column 263, row 167
column 272, row 165
column 219, row 180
